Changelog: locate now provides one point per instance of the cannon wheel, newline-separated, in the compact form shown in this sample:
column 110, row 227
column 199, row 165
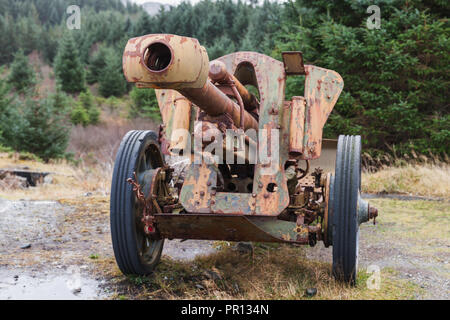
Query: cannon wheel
column 135, row 253
column 345, row 189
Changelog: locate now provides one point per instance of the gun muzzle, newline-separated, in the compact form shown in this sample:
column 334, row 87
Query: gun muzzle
column 165, row 61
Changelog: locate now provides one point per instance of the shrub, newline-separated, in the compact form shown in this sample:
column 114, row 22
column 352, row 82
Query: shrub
column 22, row 75
column 93, row 115
column 43, row 129
column 85, row 112
column 79, row 115
column 144, row 104
column 112, row 81
column 86, row 99
column 96, row 65
column 112, row 103
column 5, row 149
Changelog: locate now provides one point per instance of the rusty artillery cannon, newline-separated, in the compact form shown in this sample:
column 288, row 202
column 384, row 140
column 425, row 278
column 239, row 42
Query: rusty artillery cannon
column 174, row 184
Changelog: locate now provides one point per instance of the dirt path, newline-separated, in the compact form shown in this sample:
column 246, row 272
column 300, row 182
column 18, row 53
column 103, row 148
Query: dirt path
column 47, row 248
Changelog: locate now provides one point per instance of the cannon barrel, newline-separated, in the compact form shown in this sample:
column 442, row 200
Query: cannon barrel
column 164, row 61
column 219, row 73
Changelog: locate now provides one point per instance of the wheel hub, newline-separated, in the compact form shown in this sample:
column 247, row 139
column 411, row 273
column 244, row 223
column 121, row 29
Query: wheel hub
column 153, row 194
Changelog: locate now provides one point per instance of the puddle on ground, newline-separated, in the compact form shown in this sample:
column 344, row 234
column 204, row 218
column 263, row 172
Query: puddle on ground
column 50, row 287
column 35, row 231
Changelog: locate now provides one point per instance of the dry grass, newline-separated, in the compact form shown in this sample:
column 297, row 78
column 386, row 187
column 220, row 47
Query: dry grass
column 283, row 272
column 271, row 272
column 98, row 144
column 95, row 148
column 423, row 225
column 68, row 180
column 413, row 179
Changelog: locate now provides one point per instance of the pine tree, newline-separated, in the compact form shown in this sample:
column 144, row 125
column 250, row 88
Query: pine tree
column 112, row 81
column 22, row 75
column 6, row 110
column 5, row 99
column 68, row 68
column 86, row 99
column 62, row 103
column 96, row 65
column 27, row 32
column 143, row 25
column 44, row 131
column 79, row 115
column 144, row 103
column 8, row 41
column 48, row 44
column 221, row 47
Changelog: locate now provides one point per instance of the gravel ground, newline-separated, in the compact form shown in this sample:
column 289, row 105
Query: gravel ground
column 405, row 245
column 432, row 276
column 47, row 248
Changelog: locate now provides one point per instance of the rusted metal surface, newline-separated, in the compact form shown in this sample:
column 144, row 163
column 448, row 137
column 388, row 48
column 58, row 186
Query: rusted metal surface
column 179, row 137
column 226, row 227
column 211, row 227
column 296, row 126
column 219, row 73
column 174, row 62
column 165, row 61
column 322, row 89
column 327, row 160
column 267, row 200
column 253, row 69
column 242, row 201
column 146, row 204
column 214, row 102
column 153, row 196
column 169, row 108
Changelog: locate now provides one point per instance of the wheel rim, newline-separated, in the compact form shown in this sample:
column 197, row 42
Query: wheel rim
column 149, row 160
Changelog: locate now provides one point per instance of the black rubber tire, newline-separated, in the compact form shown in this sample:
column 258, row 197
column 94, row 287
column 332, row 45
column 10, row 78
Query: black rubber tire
column 346, row 187
column 123, row 216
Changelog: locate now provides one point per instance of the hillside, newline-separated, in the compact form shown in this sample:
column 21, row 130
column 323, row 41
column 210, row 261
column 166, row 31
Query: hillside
column 395, row 78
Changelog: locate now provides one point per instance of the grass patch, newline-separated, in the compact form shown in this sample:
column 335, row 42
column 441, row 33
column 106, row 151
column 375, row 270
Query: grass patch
column 414, row 179
column 67, row 180
column 5, row 149
column 417, row 221
column 422, row 228
column 275, row 272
